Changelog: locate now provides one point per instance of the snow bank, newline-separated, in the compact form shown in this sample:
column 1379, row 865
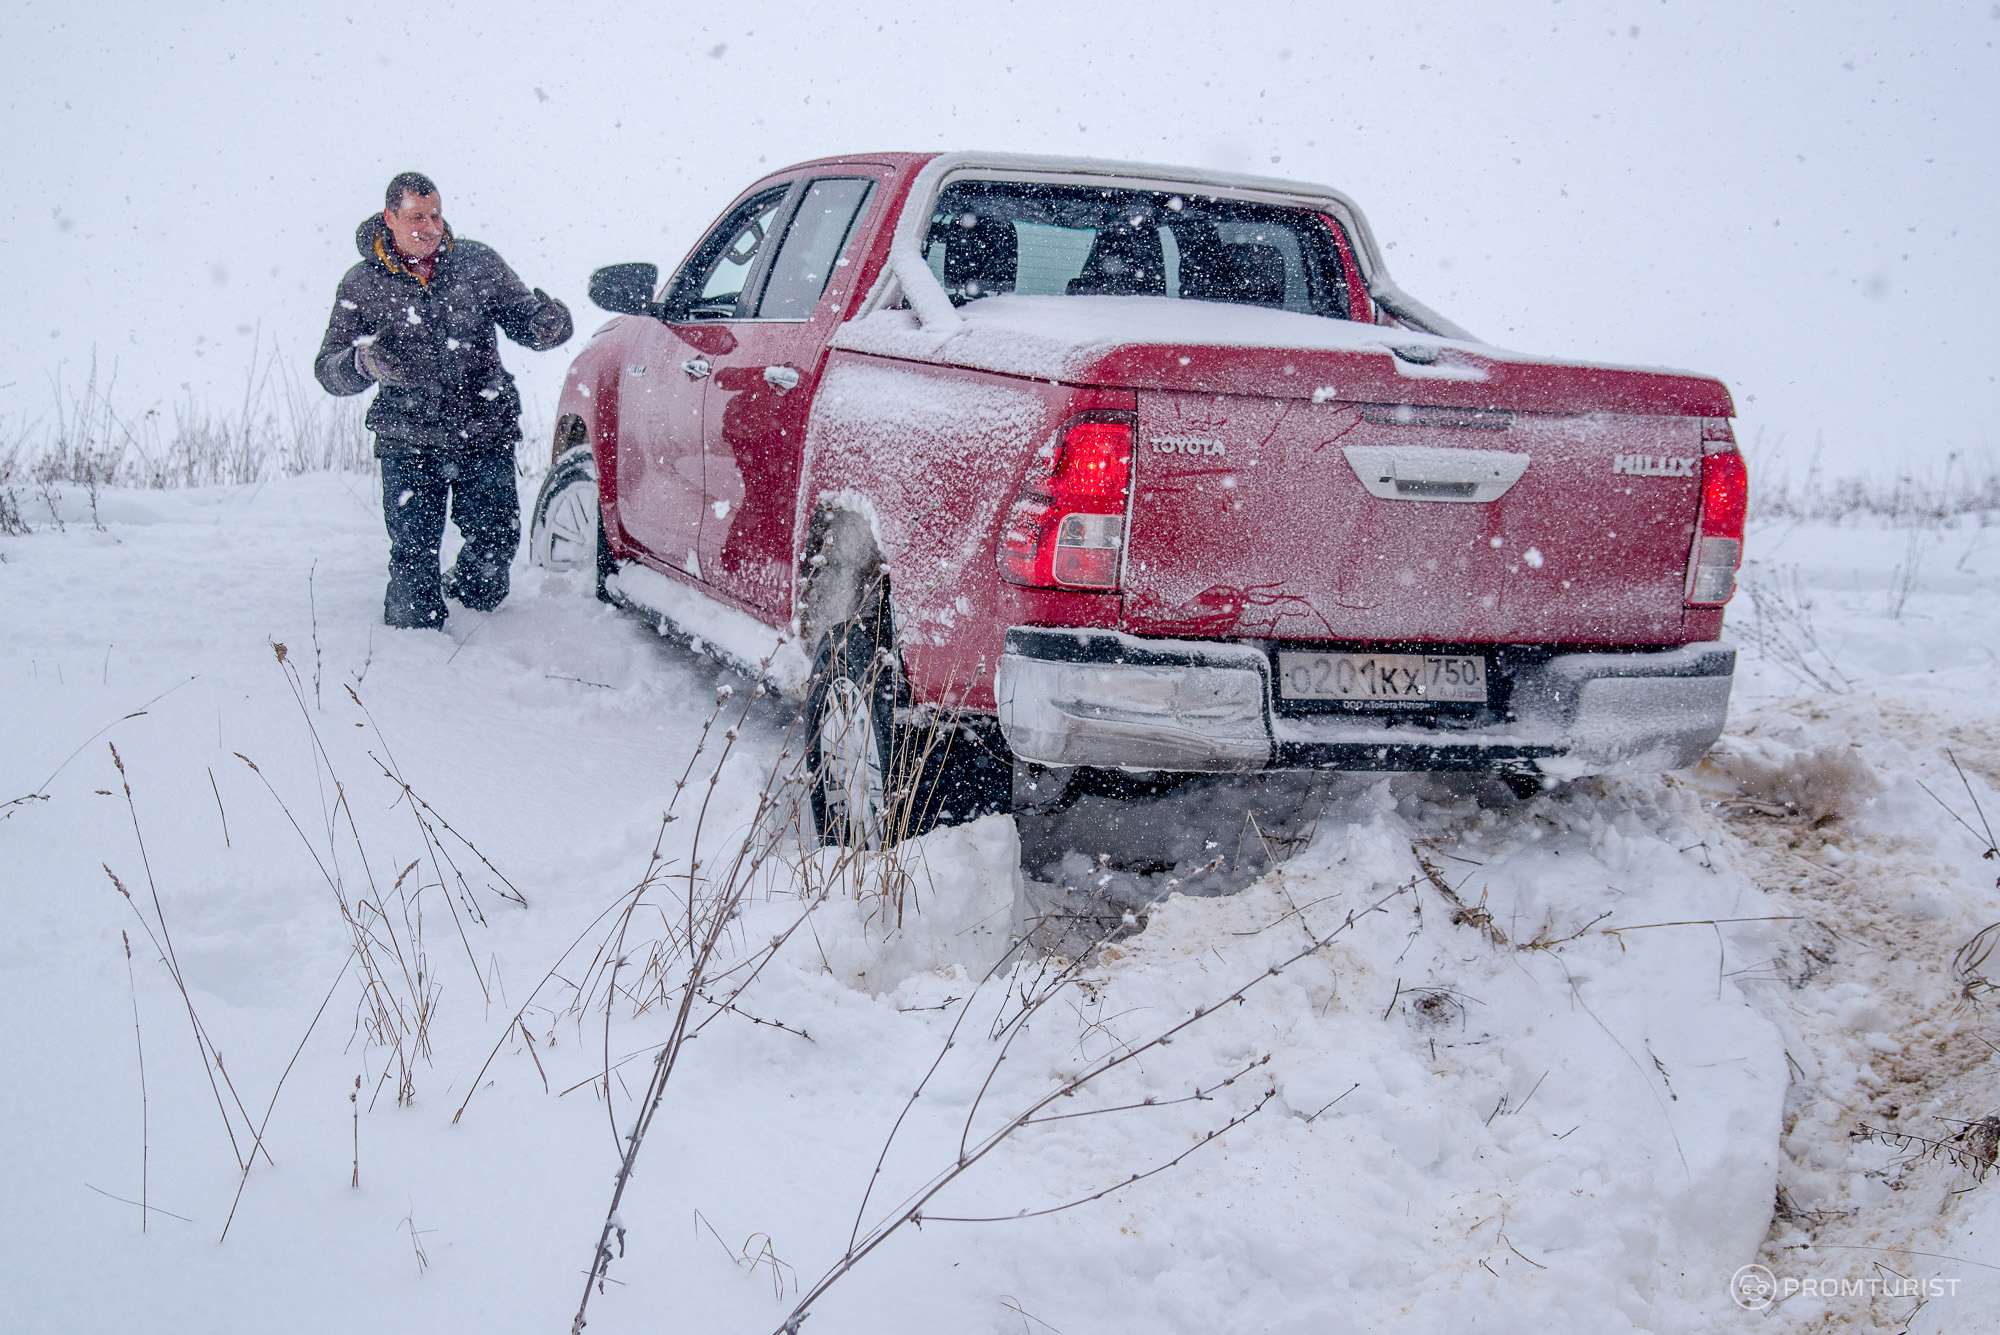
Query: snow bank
column 939, row 905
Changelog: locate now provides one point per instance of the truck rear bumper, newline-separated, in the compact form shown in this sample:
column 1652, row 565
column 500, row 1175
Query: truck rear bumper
column 1099, row 698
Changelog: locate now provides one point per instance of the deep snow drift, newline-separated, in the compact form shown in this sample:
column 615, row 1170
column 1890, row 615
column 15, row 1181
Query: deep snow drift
column 1549, row 1066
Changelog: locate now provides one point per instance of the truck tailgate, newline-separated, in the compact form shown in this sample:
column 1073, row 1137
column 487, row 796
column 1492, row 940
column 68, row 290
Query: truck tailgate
column 1284, row 518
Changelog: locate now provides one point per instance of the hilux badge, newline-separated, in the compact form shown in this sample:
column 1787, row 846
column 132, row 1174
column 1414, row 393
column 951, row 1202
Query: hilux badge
column 1649, row 465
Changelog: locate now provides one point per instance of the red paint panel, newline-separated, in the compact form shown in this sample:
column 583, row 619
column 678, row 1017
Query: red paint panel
column 935, row 456
column 755, row 431
column 590, row 393
column 754, row 434
column 654, row 503
column 1701, row 623
column 659, row 449
column 1462, row 378
column 1361, row 307
column 1274, row 535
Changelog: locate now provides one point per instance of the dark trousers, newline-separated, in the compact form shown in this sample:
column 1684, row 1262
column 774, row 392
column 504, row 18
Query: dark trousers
column 479, row 490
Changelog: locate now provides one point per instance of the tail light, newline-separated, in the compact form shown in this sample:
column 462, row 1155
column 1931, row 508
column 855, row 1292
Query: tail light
column 1718, row 533
column 1067, row 528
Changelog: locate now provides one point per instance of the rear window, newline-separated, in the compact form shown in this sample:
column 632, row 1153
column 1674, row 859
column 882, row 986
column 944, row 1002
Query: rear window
column 991, row 237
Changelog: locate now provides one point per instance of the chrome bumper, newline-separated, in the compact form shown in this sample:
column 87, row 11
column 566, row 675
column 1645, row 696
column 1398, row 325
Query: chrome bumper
column 1098, row 698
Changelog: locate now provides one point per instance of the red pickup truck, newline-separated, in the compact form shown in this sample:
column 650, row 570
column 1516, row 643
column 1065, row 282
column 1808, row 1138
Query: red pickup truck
column 1128, row 467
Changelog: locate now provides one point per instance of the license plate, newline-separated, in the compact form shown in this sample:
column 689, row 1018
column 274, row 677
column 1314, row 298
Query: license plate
column 1400, row 680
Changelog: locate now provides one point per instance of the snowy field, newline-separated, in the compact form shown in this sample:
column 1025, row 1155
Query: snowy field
column 1490, row 1064
column 348, row 916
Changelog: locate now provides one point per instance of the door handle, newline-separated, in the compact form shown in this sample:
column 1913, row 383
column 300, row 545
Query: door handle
column 697, row 368
column 781, row 378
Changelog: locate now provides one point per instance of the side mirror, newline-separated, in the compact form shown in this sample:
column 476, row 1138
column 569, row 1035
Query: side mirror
column 626, row 289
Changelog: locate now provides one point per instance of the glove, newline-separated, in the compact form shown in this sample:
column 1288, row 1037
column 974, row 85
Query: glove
column 375, row 361
column 550, row 323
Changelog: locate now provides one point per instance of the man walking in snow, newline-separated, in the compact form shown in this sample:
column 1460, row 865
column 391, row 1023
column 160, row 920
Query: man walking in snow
column 416, row 316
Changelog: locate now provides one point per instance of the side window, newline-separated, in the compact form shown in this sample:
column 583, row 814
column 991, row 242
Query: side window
column 818, row 233
column 709, row 288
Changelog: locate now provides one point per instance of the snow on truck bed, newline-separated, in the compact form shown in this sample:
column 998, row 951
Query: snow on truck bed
column 1061, row 338
column 1563, row 1098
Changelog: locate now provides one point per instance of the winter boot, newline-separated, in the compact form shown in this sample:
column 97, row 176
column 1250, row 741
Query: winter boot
column 409, row 605
column 478, row 580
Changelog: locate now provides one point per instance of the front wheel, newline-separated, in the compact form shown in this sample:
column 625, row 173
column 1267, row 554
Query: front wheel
column 563, row 527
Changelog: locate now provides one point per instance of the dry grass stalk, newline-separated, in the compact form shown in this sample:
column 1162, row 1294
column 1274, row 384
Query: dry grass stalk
column 1970, row 961
column 282, row 426
column 244, row 1179
column 684, row 968
column 400, row 990
column 1910, row 493
column 1974, row 1148
column 400, row 987
column 758, row 1251
column 409, row 1222
column 145, row 1114
column 41, row 792
column 1782, row 630
column 975, row 1147
column 1463, row 914
column 163, row 943
column 354, row 1103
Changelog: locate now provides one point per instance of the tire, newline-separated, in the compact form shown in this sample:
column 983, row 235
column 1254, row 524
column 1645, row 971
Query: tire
column 873, row 782
column 607, row 566
column 850, row 740
column 563, row 529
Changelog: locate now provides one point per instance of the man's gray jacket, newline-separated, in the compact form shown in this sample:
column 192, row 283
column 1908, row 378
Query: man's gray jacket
column 456, row 397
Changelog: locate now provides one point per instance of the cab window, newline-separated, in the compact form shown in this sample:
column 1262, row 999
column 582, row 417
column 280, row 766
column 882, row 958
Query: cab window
column 814, row 241
column 713, row 284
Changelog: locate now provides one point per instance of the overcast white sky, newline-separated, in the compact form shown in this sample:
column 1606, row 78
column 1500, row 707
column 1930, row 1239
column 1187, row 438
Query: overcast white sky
column 1800, row 200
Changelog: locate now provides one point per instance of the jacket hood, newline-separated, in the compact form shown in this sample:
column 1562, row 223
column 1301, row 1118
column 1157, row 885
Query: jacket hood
column 372, row 240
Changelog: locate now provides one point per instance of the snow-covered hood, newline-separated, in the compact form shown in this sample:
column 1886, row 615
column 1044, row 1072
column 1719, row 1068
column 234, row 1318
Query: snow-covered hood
column 1169, row 344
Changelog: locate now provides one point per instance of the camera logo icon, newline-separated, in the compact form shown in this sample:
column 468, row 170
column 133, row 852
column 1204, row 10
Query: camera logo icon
column 1753, row 1287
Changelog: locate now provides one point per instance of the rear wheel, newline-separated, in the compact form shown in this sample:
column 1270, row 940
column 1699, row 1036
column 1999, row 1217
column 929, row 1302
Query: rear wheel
column 563, row 529
column 850, row 746
column 874, row 780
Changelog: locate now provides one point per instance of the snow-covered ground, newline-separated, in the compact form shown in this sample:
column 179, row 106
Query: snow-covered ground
column 1548, row 1068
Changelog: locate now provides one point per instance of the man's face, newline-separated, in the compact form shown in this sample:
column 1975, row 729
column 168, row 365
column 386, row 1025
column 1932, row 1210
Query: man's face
column 418, row 226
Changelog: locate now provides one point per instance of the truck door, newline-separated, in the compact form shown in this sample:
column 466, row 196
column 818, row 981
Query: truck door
column 762, row 389
column 665, row 382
